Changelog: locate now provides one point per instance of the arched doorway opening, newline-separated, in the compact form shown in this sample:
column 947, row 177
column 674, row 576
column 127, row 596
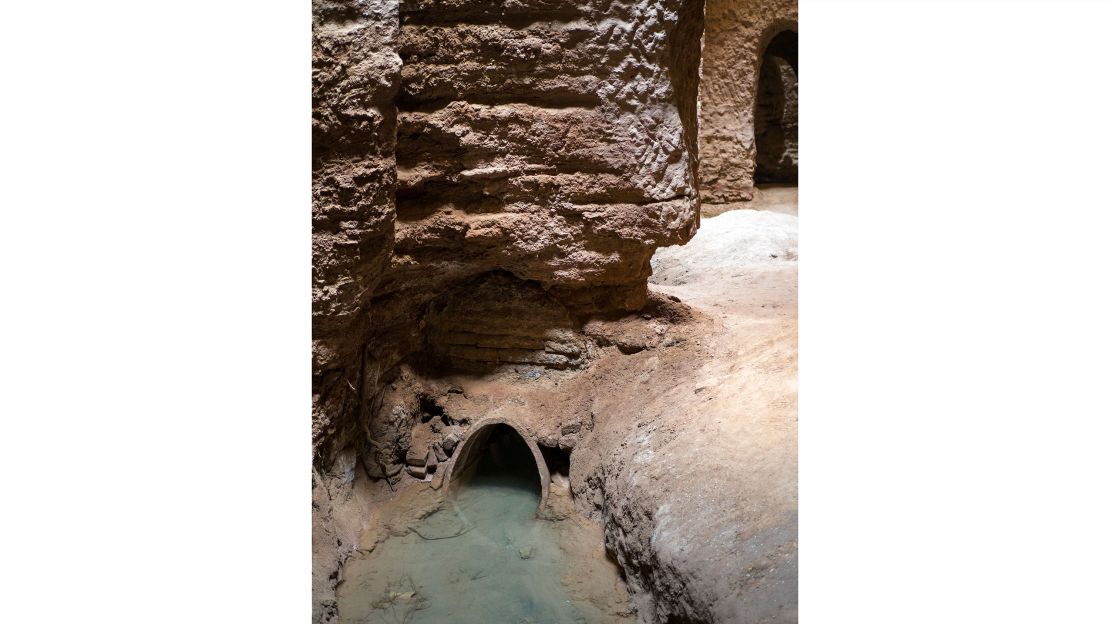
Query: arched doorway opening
column 776, row 112
column 496, row 454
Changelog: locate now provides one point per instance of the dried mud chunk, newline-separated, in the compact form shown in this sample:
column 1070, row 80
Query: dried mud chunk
column 415, row 458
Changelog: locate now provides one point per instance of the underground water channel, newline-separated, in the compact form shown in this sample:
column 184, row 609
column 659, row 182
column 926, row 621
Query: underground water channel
column 484, row 556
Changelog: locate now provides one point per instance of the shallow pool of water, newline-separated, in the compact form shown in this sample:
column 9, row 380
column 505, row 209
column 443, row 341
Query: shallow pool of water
column 485, row 558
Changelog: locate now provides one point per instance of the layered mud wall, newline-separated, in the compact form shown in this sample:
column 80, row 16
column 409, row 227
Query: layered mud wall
column 549, row 142
column 737, row 32
column 355, row 77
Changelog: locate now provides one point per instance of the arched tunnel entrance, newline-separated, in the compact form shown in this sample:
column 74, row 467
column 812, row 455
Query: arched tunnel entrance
column 496, row 454
column 776, row 112
column 481, row 554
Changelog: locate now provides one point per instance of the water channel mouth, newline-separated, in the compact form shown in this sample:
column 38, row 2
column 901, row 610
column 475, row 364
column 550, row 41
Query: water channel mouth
column 484, row 557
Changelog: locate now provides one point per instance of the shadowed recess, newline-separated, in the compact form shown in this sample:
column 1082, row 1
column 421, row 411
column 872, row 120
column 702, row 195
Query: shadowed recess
column 497, row 457
column 776, row 112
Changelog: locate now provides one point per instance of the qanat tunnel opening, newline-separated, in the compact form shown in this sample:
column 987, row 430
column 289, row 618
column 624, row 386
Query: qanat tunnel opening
column 497, row 456
column 776, row 112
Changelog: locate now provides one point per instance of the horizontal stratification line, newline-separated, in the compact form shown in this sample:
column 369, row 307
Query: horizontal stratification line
column 551, row 100
column 645, row 202
column 487, row 12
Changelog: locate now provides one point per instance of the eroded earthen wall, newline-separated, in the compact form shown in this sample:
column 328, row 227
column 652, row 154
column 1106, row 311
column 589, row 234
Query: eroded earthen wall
column 355, row 76
column 736, row 34
column 551, row 142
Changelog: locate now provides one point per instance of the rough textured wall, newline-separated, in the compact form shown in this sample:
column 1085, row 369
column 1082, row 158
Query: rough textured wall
column 355, row 75
column 469, row 331
column 736, row 34
column 550, row 141
column 542, row 139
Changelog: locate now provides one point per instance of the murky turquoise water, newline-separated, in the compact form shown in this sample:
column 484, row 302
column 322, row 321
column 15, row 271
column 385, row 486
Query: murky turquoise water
column 483, row 558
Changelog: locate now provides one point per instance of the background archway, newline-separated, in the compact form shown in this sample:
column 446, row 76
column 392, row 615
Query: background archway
column 776, row 112
column 736, row 35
